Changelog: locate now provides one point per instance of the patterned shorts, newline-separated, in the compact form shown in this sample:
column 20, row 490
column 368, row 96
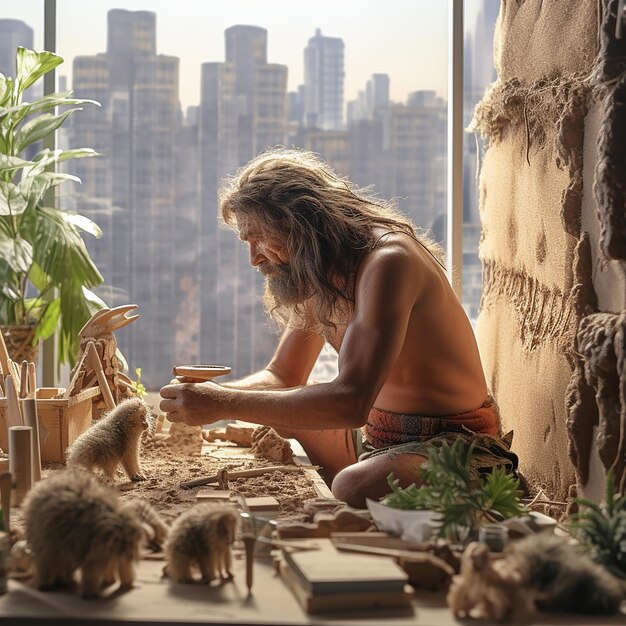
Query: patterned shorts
column 387, row 433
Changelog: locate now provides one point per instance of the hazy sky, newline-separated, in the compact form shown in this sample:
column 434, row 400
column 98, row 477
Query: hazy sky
column 406, row 39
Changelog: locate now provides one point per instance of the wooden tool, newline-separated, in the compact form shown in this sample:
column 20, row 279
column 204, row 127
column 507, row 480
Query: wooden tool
column 32, row 380
column 29, row 405
column 259, row 471
column 201, row 372
column 24, row 379
column 19, row 462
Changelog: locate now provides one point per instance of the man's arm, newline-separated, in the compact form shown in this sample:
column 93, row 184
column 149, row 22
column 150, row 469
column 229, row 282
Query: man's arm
column 290, row 366
column 386, row 291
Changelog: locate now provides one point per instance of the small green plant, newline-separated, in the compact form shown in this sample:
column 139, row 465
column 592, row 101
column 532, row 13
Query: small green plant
column 601, row 528
column 138, row 386
column 462, row 497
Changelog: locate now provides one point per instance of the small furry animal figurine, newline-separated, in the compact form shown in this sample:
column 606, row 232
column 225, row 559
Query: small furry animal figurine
column 539, row 572
column 72, row 522
column 563, row 577
column 481, row 591
column 201, row 537
column 112, row 440
column 156, row 528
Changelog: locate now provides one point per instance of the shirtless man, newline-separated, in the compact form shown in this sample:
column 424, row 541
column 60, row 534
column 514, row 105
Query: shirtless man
column 349, row 270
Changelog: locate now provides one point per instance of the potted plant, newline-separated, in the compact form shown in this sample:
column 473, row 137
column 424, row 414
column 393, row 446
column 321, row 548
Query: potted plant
column 461, row 498
column 45, row 268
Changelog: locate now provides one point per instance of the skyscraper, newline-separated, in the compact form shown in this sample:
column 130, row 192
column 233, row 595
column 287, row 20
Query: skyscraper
column 13, row 33
column 243, row 110
column 132, row 191
column 323, row 82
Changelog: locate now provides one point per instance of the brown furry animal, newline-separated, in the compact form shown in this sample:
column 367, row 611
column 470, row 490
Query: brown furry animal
column 157, row 530
column 112, row 440
column 563, row 577
column 201, row 536
column 74, row 522
column 539, row 572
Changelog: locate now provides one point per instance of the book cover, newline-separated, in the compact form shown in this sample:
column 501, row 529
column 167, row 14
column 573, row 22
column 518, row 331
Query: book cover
column 399, row 600
column 329, row 571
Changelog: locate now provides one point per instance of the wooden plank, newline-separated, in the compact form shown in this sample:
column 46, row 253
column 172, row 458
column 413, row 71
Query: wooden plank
column 4, row 356
column 213, row 495
column 262, row 503
column 94, row 361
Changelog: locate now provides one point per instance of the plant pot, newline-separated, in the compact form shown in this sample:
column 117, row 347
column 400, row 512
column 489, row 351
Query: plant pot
column 19, row 342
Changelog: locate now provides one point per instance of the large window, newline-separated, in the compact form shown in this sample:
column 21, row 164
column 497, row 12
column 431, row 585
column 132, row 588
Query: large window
column 191, row 90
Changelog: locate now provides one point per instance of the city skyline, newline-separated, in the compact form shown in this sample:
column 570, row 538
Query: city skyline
column 419, row 32
column 154, row 190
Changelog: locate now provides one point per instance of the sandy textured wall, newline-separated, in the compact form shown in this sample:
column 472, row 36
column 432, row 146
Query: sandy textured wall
column 540, row 248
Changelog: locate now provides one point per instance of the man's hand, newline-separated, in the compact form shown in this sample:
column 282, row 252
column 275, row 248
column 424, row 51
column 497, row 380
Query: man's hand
column 195, row 404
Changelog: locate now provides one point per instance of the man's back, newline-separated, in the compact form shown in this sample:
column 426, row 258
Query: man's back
column 438, row 369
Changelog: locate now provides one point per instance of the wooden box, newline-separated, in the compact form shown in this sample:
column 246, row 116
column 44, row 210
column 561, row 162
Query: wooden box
column 65, row 418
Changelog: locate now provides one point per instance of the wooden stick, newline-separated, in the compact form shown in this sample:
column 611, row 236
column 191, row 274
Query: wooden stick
column 29, row 406
column 259, row 471
column 77, row 372
column 14, row 415
column 2, row 392
column 32, row 380
column 19, row 462
column 249, row 542
column 15, row 370
column 24, row 379
column 95, row 363
column 4, row 356
column 5, row 499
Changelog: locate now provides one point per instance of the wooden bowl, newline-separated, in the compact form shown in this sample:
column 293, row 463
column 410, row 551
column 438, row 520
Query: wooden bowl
column 201, row 372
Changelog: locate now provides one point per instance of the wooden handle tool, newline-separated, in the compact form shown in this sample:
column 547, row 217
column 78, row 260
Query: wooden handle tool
column 259, row 471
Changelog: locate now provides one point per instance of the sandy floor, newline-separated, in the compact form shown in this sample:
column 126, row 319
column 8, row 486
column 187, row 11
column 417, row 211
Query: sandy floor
column 169, row 459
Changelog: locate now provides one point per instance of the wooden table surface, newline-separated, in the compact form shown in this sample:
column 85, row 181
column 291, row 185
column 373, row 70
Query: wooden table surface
column 155, row 600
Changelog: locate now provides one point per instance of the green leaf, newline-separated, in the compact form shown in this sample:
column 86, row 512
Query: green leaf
column 84, row 223
column 38, row 277
column 12, row 200
column 50, row 319
column 11, row 163
column 39, row 127
column 46, row 157
column 17, row 253
column 59, row 248
column 32, row 65
column 47, row 103
column 95, row 302
column 6, row 86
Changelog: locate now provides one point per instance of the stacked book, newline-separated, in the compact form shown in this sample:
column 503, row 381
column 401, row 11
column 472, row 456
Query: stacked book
column 327, row 580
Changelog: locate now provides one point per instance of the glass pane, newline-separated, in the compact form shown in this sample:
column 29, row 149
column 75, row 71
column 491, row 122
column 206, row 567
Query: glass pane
column 190, row 91
column 480, row 20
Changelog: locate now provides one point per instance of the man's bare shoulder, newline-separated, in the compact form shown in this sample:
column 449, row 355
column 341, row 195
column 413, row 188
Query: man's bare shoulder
column 395, row 251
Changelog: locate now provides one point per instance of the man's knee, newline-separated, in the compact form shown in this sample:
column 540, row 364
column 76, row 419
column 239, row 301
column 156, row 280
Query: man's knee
column 345, row 486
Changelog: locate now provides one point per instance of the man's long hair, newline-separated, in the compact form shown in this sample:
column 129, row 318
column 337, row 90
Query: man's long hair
column 325, row 221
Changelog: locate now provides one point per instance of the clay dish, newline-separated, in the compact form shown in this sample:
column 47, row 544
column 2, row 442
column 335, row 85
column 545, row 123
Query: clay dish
column 201, row 372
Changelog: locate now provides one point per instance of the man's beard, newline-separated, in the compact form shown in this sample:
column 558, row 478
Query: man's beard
column 280, row 283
